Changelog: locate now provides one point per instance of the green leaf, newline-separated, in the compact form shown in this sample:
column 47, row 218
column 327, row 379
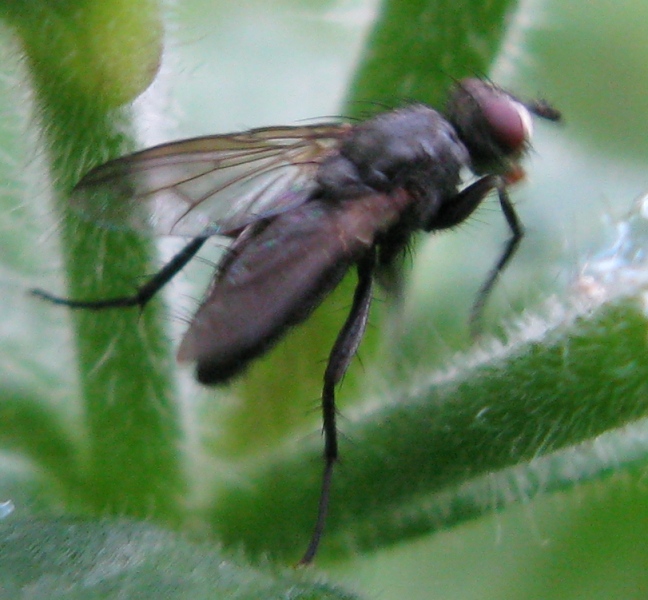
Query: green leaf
column 111, row 558
column 417, row 462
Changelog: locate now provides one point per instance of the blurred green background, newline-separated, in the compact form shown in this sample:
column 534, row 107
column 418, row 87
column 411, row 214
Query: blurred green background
column 231, row 65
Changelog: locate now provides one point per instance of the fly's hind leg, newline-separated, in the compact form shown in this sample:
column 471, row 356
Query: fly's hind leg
column 340, row 357
column 143, row 294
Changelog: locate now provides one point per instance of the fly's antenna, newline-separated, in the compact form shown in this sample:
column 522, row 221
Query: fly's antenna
column 544, row 109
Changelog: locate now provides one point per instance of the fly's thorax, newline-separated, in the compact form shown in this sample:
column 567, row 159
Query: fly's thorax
column 403, row 149
column 395, row 148
column 337, row 177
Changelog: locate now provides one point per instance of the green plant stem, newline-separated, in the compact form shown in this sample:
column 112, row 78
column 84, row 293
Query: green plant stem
column 86, row 59
column 419, row 47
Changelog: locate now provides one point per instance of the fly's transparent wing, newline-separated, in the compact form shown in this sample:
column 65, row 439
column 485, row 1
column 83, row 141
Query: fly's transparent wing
column 208, row 185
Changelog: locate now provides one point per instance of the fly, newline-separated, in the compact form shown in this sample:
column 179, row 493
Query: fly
column 303, row 205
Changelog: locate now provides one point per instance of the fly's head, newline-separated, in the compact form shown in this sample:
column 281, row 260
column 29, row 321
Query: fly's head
column 495, row 126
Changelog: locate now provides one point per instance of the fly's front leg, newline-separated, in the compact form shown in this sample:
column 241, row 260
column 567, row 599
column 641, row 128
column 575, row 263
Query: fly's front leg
column 461, row 207
column 517, row 233
column 340, row 357
column 143, row 294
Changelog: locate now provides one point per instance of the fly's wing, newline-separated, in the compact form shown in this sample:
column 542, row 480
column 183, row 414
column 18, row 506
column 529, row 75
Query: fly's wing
column 208, row 185
column 277, row 279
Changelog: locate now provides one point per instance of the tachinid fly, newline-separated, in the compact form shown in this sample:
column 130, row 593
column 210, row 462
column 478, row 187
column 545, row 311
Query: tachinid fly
column 302, row 205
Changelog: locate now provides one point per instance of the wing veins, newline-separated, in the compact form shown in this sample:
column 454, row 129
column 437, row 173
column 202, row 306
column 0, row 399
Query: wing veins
column 273, row 166
column 278, row 153
column 228, row 180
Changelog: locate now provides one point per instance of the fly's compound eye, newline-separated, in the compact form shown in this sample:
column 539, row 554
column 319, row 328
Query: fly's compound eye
column 509, row 121
column 494, row 125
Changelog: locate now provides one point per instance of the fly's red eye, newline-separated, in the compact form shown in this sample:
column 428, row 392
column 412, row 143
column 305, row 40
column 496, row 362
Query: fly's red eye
column 509, row 120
